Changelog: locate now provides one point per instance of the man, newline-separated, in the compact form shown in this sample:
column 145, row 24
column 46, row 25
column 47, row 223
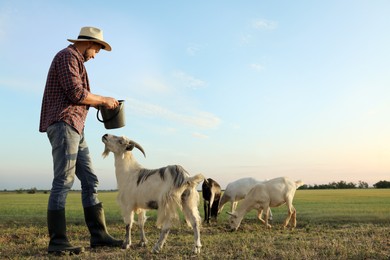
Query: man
column 66, row 101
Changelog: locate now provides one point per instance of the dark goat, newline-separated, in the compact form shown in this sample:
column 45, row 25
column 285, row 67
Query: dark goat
column 211, row 192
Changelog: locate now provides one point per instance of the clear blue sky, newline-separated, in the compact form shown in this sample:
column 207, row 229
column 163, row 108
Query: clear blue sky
column 229, row 89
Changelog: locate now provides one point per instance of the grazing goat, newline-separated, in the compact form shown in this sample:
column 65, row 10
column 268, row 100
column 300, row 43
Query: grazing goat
column 166, row 189
column 236, row 191
column 211, row 192
column 272, row 193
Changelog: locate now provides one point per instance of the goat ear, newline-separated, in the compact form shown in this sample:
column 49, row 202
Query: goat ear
column 129, row 147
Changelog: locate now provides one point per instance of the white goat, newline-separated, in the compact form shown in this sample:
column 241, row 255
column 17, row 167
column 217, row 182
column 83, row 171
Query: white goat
column 236, row 191
column 272, row 193
column 166, row 189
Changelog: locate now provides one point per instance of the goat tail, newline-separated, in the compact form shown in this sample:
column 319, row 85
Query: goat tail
column 172, row 200
column 299, row 184
column 194, row 181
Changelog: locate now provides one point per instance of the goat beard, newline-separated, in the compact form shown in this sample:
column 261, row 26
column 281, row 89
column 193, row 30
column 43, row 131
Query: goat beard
column 105, row 153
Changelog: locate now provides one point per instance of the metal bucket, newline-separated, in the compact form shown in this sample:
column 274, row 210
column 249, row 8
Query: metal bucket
column 112, row 118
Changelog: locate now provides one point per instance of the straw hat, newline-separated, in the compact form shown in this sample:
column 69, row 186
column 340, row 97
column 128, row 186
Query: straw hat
column 92, row 34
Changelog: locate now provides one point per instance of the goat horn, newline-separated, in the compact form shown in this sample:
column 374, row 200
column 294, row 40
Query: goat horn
column 138, row 146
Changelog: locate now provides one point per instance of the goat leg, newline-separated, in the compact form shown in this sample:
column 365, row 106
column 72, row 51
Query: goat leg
column 127, row 240
column 260, row 216
column 267, row 209
column 270, row 215
column 206, row 207
column 197, row 245
column 160, row 243
column 289, row 215
column 192, row 216
column 294, row 219
column 141, row 223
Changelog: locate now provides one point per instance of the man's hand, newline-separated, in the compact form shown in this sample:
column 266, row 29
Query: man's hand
column 110, row 102
column 97, row 101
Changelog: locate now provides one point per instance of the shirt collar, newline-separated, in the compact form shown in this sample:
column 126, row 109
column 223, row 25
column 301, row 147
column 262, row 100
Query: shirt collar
column 77, row 52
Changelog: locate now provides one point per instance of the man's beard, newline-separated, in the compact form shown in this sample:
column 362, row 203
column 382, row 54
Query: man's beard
column 86, row 58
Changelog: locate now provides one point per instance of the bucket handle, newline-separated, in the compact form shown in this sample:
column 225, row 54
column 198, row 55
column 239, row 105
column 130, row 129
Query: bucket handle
column 104, row 121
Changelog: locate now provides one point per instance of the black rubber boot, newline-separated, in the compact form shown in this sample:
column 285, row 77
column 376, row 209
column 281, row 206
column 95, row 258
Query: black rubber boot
column 59, row 243
column 96, row 222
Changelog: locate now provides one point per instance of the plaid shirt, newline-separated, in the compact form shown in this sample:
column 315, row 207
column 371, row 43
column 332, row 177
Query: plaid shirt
column 66, row 87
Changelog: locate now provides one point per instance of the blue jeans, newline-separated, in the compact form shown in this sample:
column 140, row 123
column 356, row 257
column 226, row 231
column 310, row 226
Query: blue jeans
column 70, row 158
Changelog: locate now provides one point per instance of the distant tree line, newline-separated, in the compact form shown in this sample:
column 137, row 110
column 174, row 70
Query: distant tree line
column 330, row 185
column 345, row 185
column 382, row 185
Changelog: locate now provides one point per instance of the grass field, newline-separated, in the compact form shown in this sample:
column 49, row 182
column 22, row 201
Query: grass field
column 332, row 224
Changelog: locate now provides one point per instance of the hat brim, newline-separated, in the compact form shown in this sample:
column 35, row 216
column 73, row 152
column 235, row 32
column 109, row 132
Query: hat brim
column 106, row 46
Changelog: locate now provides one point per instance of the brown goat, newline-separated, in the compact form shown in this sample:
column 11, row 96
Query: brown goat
column 211, row 192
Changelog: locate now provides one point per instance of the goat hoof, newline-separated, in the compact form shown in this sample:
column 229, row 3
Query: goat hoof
column 197, row 250
column 143, row 243
column 125, row 246
column 155, row 250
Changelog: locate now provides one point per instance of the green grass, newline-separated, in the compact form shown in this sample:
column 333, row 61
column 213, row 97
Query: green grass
column 332, row 224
